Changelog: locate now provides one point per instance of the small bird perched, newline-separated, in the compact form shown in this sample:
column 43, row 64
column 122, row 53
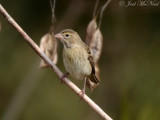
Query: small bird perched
column 77, row 58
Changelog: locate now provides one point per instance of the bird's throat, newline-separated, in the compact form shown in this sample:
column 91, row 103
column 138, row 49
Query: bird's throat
column 66, row 45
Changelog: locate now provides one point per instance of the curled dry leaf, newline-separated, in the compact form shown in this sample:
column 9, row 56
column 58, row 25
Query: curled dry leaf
column 97, row 71
column 92, row 26
column 48, row 45
column 96, row 45
column 94, row 37
column 94, row 40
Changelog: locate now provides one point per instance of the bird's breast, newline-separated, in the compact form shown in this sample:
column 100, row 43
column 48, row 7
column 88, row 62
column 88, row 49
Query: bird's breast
column 76, row 62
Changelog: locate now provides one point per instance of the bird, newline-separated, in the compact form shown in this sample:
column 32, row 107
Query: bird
column 77, row 59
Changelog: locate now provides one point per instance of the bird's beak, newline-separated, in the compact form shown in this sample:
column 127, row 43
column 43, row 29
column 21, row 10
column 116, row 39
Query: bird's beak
column 59, row 36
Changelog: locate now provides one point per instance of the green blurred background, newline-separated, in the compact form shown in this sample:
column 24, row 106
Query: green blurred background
column 130, row 63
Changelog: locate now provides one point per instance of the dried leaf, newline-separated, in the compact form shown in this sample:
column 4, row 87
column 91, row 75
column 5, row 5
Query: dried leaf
column 97, row 71
column 94, row 37
column 48, row 45
column 96, row 45
column 92, row 26
column 94, row 40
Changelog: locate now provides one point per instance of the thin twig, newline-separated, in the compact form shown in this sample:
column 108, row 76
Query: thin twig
column 52, row 5
column 102, row 10
column 35, row 47
column 95, row 9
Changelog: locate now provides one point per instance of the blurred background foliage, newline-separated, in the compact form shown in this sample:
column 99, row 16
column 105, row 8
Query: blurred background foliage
column 130, row 63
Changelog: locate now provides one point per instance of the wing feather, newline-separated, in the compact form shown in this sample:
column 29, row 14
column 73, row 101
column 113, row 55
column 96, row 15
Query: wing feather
column 92, row 77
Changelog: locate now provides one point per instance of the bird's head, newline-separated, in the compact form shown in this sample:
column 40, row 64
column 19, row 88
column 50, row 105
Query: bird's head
column 68, row 37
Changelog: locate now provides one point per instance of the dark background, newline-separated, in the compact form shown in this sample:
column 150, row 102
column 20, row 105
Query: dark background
column 130, row 63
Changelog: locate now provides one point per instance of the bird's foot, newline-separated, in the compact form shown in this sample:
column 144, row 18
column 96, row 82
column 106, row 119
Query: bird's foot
column 63, row 77
column 82, row 93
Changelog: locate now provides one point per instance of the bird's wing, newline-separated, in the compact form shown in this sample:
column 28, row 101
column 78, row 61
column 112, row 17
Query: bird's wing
column 90, row 58
column 92, row 77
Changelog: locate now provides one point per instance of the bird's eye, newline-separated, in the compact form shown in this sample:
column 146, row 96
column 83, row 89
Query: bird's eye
column 67, row 35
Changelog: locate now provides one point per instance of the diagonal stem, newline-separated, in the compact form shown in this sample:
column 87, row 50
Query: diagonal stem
column 35, row 47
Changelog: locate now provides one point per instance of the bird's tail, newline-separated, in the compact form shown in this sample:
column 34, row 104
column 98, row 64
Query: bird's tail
column 92, row 81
